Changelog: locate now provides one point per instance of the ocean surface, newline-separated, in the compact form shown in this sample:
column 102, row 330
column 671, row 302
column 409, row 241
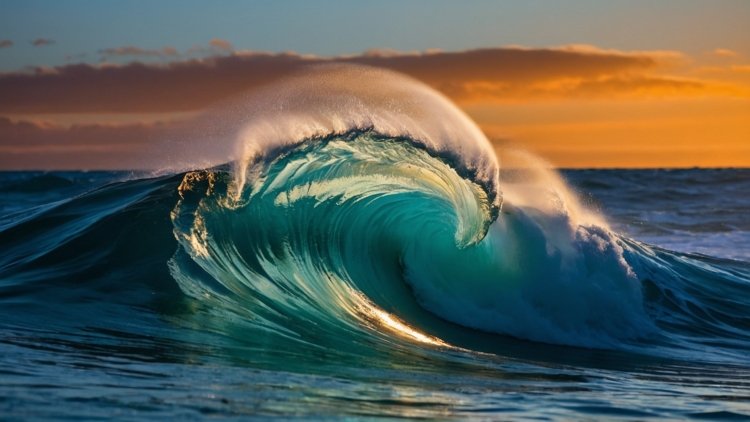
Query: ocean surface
column 360, row 276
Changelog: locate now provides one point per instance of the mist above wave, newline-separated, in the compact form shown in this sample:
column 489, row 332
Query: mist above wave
column 332, row 99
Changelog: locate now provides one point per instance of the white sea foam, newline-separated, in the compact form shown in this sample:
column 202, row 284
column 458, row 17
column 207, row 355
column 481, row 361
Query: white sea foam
column 334, row 99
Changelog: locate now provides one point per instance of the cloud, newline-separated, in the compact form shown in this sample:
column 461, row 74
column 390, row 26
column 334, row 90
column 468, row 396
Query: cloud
column 220, row 44
column 509, row 64
column 214, row 47
column 485, row 75
column 642, row 86
column 6, row 43
column 75, row 57
column 41, row 42
column 626, row 86
column 724, row 52
column 132, row 51
column 38, row 145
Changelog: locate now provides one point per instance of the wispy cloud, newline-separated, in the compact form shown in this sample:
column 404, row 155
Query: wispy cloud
column 75, row 57
column 215, row 46
column 132, row 51
column 220, row 44
column 41, row 42
column 724, row 52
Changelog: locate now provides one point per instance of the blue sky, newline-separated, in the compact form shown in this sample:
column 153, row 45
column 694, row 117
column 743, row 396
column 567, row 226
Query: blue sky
column 331, row 27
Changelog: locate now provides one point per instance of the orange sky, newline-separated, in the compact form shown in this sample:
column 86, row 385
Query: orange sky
column 577, row 106
column 665, row 132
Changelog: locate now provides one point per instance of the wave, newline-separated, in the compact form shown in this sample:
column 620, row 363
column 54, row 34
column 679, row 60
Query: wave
column 359, row 229
column 347, row 220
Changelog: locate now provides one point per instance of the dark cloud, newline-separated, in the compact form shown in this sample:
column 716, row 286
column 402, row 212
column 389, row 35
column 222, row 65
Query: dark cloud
column 138, row 87
column 6, row 43
column 487, row 74
column 41, row 42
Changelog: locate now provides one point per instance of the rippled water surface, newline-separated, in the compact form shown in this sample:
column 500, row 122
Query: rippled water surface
column 364, row 276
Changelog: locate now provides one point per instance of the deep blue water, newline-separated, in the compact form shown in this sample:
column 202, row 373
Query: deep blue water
column 369, row 290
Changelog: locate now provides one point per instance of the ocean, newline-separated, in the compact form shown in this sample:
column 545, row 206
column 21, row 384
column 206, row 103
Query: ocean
column 326, row 248
column 360, row 276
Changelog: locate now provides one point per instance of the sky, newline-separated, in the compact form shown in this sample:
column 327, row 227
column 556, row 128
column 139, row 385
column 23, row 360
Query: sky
column 85, row 84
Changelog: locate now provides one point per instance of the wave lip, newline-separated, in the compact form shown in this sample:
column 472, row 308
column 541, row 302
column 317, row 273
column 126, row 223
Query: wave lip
column 332, row 99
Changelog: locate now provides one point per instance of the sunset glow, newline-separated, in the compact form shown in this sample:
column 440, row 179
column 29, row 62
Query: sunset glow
column 656, row 100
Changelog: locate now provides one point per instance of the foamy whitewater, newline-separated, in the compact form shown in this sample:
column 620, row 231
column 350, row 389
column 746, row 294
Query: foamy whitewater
column 346, row 243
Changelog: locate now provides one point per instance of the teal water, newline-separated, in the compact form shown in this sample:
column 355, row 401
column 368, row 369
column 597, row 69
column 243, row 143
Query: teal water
column 366, row 275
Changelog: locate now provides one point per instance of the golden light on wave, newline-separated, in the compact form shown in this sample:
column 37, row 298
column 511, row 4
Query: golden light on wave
column 393, row 323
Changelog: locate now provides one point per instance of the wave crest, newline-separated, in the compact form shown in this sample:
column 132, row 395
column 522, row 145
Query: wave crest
column 365, row 221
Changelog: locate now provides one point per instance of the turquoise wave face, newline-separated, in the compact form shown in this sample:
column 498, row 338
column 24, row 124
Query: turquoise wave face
column 317, row 242
column 363, row 240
